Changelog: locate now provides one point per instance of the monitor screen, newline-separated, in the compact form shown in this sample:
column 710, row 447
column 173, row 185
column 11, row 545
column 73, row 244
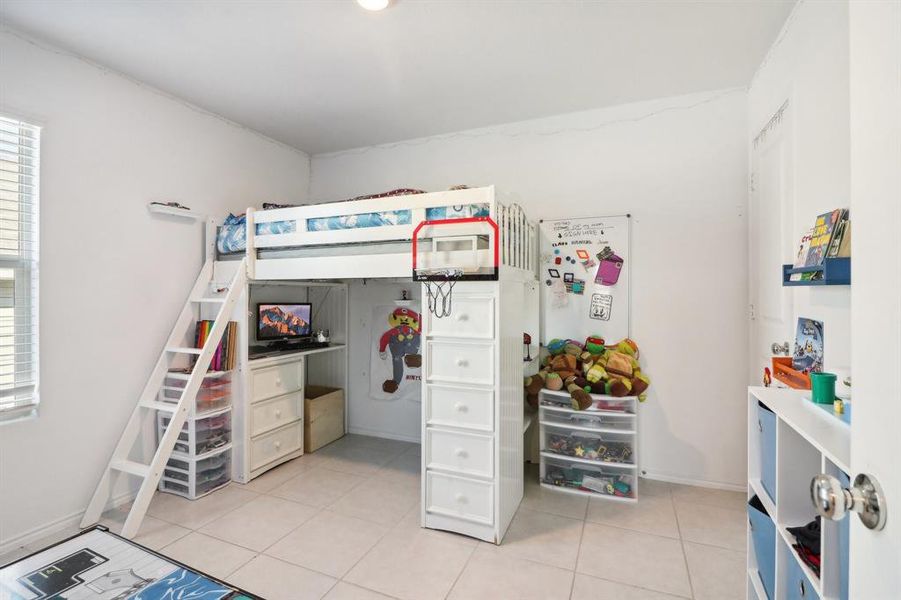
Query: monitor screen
column 283, row 321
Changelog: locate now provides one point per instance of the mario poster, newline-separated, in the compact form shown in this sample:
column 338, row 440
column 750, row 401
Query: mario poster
column 396, row 358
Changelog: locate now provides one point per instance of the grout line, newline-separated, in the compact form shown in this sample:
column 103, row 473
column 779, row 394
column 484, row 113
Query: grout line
column 460, row 574
column 572, row 583
column 691, row 586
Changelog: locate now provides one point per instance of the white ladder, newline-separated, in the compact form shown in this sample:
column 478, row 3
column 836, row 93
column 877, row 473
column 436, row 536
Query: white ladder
column 151, row 473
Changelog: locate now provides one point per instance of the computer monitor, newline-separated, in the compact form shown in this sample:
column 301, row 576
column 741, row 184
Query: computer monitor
column 283, row 322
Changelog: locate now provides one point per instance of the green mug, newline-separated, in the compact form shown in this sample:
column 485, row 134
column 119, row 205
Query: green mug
column 823, row 387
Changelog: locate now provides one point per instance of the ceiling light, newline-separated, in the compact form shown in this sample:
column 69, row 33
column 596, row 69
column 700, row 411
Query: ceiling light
column 374, row 4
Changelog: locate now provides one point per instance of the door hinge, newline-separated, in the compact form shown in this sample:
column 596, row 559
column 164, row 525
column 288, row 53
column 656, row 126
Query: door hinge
column 752, row 312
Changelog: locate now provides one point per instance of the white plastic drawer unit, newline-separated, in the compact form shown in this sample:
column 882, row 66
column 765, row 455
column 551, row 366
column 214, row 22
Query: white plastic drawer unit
column 272, row 414
column 460, row 497
column 460, row 362
column 582, row 420
column 272, row 446
column 466, row 453
column 276, row 380
column 459, row 407
column 472, row 318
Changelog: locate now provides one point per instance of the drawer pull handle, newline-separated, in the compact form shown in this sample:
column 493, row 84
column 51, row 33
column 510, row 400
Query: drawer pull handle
column 760, row 425
column 278, row 445
column 462, row 362
column 460, row 407
column 460, row 453
column 460, row 498
column 278, row 381
column 802, row 588
column 278, row 412
column 462, row 317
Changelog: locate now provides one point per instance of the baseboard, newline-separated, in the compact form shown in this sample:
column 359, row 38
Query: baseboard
column 717, row 485
column 67, row 522
column 382, row 434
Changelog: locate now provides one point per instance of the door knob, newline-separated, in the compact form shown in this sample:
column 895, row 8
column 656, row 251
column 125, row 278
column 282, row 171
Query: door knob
column 865, row 498
column 780, row 348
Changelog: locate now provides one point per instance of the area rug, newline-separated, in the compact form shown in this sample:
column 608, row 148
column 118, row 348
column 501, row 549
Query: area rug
column 97, row 564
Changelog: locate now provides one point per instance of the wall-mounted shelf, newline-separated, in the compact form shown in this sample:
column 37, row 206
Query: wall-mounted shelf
column 836, row 271
column 185, row 213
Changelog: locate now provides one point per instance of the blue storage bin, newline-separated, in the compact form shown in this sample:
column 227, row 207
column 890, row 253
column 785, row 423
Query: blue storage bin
column 766, row 425
column 763, row 536
column 798, row 587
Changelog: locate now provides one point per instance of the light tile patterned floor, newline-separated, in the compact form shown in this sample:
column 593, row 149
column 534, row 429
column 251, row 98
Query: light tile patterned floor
column 343, row 524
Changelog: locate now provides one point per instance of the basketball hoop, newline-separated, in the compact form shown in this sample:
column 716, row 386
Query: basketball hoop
column 439, row 289
column 450, row 250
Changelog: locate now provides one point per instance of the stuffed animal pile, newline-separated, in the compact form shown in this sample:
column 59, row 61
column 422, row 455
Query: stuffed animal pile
column 589, row 368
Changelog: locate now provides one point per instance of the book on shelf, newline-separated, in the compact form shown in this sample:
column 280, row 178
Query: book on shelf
column 823, row 231
column 841, row 241
column 801, row 256
column 224, row 358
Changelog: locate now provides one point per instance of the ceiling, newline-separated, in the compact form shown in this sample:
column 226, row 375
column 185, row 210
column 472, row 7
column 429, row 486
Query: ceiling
column 326, row 75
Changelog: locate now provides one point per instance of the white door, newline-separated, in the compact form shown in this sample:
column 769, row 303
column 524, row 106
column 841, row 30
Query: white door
column 771, row 239
column 875, row 67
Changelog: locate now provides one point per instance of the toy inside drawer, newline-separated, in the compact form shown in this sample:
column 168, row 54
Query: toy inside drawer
column 594, row 479
column 588, row 445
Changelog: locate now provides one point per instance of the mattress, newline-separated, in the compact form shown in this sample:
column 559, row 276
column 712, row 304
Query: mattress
column 232, row 236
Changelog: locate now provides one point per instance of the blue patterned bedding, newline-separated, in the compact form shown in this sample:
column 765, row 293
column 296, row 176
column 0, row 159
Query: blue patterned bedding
column 232, row 236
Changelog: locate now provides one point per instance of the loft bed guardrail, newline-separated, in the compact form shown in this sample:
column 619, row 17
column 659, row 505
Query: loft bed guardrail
column 372, row 238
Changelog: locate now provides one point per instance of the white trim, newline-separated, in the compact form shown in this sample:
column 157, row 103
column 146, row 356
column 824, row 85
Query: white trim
column 70, row 521
column 714, row 485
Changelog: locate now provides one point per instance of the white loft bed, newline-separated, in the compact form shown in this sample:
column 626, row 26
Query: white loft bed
column 472, row 360
column 373, row 252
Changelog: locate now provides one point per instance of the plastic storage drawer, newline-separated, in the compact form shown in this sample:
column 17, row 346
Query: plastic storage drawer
column 763, row 536
column 196, row 477
column 798, row 586
column 603, row 404
column 200, row 435
column 214, row 392
column 600, row 480
column 587, row 445
column 564, row 417
column 766, row 426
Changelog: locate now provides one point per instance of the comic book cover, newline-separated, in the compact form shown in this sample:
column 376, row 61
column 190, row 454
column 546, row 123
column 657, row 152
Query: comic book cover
column 801, row 256
column 822, row 234
column 808, row 354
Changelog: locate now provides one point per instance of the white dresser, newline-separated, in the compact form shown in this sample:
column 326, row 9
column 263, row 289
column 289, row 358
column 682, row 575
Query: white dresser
column 272, row 418
column 472, row 414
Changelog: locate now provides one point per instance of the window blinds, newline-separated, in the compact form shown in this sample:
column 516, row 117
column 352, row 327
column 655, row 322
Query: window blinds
column 19, row 163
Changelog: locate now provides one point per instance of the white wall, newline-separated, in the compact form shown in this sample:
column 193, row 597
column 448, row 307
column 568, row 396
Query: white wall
column 396, row 418
column 808, row 65
column 113, row 277
column 679, row 166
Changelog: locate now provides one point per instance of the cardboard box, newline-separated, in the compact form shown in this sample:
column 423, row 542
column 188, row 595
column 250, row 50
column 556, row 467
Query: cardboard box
column 323, row 409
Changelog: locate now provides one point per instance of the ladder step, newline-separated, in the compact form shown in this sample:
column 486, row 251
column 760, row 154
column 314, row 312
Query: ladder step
column 161, row 406
column 184, row 350
column 130, row 466
column 210, row 300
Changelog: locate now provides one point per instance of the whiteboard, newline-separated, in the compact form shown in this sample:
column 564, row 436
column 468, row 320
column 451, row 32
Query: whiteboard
column 577, row 300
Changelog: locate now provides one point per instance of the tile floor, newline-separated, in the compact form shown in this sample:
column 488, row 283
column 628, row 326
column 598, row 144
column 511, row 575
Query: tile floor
column 343, row 523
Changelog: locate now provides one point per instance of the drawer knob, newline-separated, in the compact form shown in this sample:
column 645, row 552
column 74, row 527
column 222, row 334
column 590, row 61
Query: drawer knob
column 460, row 453
column 278, row 412
column 460, row 407
column 460, row 498
column 278, row 445
column 462, row 362
column 462, row 317
column 278, row 381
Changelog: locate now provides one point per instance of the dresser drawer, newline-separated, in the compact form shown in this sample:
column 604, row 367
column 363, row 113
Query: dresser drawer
column 472, row 317
column 466, row 453
column 272, row 446
column 459, row 407
column 460, row 362
column 277, row 380
column 460, row 497
column 272, row 414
